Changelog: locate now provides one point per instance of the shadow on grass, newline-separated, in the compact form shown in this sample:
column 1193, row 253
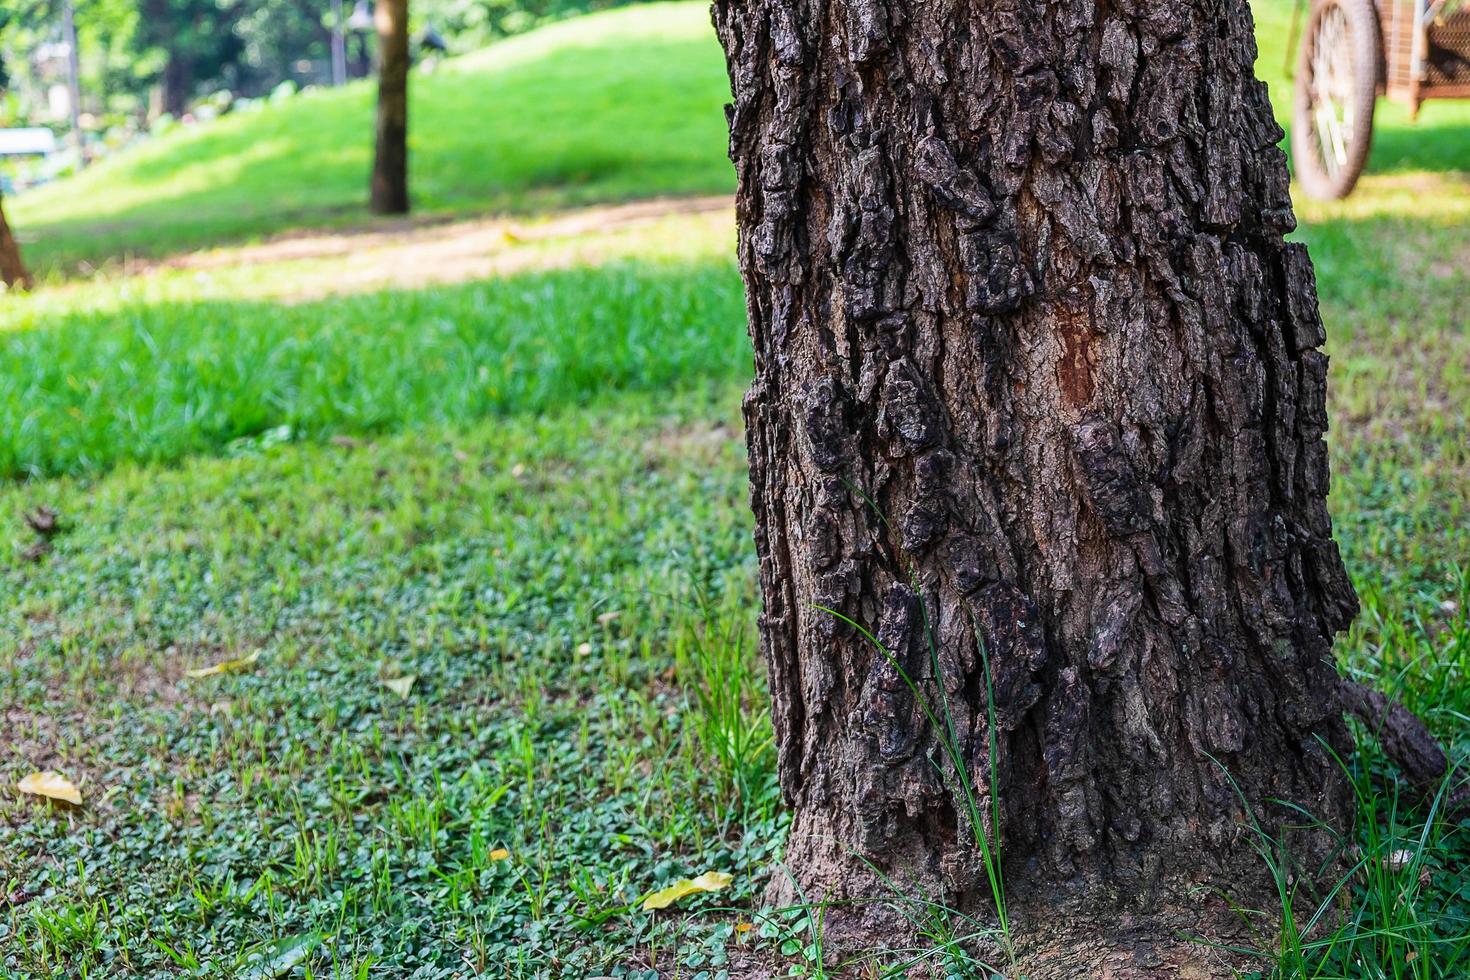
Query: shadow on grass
column 156, row 382
column 1436, row 146
column 1403, row 147
column 159, row 382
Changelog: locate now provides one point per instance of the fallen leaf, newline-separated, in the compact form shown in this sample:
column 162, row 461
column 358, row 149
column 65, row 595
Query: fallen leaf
column 499, row 854
column 225, row 667
column 713, row 881
column 51, row 785
column 608, row 617
column 710, row 881
column 743, row 927
column 584, row 649
column 36, row 551
column 401, row 685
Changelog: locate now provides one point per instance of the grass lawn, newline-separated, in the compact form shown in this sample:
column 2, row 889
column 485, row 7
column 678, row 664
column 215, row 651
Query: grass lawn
column 177, row 366
column 476, row 557
column 560, row 588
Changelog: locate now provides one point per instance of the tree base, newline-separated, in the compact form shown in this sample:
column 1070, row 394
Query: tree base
column 1171, row 946
column 1176, row 944
column 1195, row 934
column 1068, row 956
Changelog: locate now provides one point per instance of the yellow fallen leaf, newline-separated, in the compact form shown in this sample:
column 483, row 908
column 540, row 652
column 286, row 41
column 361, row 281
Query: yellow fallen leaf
column 51, row 785
column 710, row 881
column 225, row 667
column 743, row 927
column 713, row 881
column 401, row 685
column 499, row 854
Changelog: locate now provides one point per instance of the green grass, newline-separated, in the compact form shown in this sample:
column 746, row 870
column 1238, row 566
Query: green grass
column 159, row 380
column 616, row 105
column 528, row 493
column 561, row 588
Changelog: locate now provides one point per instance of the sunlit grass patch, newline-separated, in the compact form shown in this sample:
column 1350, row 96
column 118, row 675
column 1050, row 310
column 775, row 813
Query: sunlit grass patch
column 160, row 377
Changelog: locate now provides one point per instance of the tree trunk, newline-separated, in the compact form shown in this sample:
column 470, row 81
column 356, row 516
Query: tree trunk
column 390, row 164
column 1037, row 384
column 177, row 84
column 13, row 271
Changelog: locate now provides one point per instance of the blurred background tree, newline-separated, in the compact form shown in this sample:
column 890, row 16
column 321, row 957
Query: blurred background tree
column 199, row 46
column 143, row 58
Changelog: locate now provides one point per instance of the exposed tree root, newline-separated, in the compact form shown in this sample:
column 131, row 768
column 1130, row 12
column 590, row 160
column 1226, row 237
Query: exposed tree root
column 1407, row 742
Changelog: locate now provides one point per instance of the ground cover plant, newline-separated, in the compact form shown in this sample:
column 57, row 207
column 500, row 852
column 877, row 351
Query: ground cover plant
column 474, row 562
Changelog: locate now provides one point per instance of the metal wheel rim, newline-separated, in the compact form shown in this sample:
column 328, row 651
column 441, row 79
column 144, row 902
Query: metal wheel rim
column 1331, row 90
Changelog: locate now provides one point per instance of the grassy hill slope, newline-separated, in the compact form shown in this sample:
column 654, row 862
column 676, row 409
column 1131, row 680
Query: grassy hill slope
column 610, row 106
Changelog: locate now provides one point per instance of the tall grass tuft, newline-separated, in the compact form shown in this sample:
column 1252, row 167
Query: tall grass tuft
column 717, row 657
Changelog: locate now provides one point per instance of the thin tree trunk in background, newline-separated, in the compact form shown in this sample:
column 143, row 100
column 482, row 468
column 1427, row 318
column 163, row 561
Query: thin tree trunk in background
column 13, row 271
column 1035, row 373
column 390, row 163
column 73, row 80
column 177, row 83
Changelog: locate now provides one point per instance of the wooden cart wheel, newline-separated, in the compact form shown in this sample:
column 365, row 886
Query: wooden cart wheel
column 1336, row 88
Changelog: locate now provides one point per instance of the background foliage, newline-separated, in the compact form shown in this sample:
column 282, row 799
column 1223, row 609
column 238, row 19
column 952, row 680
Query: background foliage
column 192, row 48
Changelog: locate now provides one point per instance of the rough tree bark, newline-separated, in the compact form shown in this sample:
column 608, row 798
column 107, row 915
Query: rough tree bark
column 13, row 271
column 1034, row 362
column 390, row 161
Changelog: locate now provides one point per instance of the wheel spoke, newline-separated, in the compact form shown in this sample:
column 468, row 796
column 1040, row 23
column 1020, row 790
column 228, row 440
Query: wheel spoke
column 1330, row 88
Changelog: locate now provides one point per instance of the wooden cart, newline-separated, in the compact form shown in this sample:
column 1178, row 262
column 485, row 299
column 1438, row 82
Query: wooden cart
column 1352, row 51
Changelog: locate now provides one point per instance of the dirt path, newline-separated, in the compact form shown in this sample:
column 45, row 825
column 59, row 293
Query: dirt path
column 415, row 255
